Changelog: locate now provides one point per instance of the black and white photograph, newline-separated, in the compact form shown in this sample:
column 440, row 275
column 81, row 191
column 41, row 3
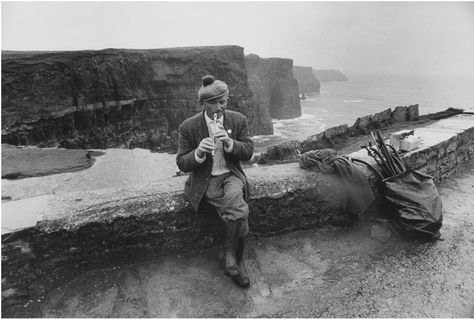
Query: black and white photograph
column 237, row 159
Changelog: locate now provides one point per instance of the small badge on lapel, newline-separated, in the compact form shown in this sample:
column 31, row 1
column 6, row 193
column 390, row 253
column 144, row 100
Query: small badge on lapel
column 229, row 131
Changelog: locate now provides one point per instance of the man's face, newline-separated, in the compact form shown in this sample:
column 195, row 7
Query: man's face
column 216, row 106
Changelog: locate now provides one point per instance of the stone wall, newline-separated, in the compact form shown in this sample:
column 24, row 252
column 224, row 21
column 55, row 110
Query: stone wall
column 109, row 227
column 336, row 137
column 272, row 83
column 114, row 97
column 443, row 160
column 333, row 136
column 307, row 82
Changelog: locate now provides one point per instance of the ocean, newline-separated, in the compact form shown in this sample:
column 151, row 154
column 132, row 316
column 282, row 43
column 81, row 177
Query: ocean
column 343, row 102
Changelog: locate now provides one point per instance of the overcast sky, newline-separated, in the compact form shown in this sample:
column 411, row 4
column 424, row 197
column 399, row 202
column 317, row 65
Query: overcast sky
column 402, row 37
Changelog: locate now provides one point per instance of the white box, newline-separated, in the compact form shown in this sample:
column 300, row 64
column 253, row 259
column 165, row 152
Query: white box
column 410, row 143
column 396, row 137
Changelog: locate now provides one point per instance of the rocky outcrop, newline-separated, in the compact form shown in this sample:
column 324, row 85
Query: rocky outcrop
column 382, row 119
column 114, row 97
column 329, row 75
column 307, row 82
column 273, row 85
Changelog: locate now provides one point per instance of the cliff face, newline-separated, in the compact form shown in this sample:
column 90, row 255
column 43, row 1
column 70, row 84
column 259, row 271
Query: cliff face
column 113, row 98
column 307, row 82
column 329, row 75
column 274, row 87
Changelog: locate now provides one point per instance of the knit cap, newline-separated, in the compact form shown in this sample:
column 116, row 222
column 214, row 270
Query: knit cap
column 211, row 89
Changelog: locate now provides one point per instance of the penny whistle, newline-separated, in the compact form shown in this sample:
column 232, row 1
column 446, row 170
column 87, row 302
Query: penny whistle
column 213, row 132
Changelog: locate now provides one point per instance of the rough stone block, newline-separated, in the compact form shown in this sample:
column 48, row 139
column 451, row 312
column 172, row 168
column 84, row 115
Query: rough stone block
column 431, row 166
column 451, row 147
column 441, row 152
column 419, row 159
column 362, row 123
column 400, row 114
column 337, row 131
column 316, row 137
column 381, row 118
column 314, row 142
column 282, row 152
column 470, row 151
column 453, row 159
column 413, row 113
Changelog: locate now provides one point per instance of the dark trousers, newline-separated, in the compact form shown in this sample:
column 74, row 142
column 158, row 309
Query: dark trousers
column 226, row 193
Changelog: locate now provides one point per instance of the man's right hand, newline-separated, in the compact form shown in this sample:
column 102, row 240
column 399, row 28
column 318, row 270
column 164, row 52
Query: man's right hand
column 206, row 146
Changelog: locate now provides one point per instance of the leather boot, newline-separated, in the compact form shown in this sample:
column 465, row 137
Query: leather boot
column 230, row 246
column 242, row 279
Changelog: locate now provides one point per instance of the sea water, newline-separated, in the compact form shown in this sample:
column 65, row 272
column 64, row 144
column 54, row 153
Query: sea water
column 340, row 103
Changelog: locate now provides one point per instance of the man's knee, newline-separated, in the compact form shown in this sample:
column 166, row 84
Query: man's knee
column 233, row 187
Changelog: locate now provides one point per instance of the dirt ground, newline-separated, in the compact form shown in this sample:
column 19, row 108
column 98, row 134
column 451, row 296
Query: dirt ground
column 362, row 271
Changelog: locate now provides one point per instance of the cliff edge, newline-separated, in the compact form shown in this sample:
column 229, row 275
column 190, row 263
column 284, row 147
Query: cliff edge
column 273, row 85
column 307, row 82
column 113, row 97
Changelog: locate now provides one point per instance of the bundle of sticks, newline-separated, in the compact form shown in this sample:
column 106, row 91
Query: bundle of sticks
column 385, row 155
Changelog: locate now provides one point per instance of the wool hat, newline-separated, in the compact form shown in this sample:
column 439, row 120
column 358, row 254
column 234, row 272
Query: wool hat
column 212, row 89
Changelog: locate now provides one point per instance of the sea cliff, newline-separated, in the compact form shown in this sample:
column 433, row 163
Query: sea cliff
column 272, row 83
column 114, row 97
column 307, row 82
column 117, row 98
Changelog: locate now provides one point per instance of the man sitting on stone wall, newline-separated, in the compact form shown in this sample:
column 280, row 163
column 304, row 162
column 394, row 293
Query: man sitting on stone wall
column 211, row 145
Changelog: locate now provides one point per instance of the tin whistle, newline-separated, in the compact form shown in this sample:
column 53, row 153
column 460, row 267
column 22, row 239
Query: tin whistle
column 213, row 131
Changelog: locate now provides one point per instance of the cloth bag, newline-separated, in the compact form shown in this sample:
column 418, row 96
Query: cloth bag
column 353, row 181
column 414, row 204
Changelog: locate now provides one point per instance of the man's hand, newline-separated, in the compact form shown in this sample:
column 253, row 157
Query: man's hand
column 206, row 146
column 223, row 136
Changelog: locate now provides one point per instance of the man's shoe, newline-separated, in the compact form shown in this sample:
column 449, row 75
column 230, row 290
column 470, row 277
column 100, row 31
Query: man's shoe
column 242, row 279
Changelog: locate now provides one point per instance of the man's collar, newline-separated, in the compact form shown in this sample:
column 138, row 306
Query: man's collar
column 209, row 120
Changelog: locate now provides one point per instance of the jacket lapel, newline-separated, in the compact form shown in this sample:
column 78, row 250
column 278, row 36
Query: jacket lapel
column 203, row 131
column 228, row 123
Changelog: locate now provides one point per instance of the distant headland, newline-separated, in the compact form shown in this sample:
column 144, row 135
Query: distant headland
column 330, row 75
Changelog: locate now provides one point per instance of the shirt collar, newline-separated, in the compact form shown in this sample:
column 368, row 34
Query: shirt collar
column 209, row 120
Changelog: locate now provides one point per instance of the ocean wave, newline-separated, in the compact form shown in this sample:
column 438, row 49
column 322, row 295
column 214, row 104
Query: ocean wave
column 304, row 116
column 354, row 101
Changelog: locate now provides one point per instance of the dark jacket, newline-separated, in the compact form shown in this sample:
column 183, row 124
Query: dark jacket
column 191, row 132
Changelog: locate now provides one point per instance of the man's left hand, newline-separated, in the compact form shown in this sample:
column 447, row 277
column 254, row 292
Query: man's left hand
column 223, row 137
